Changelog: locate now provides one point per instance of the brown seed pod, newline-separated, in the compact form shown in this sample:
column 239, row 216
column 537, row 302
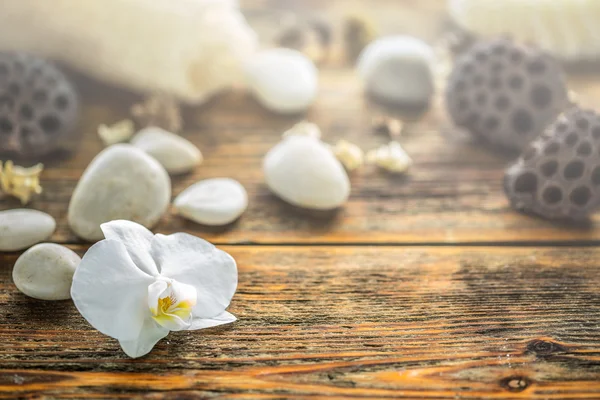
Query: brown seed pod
column 506, row 93
column 312, row 37
column 558, row 176
column 323, row 31
column 359, row 31
column 38, row 107
column 293, row 37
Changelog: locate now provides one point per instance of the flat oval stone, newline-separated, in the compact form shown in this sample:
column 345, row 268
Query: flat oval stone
column 303, row 171
column 45, row 272
column 122, row 182
column 217, row 201
column 283, row 80
column 178, row 155
column 22, row 228
column 398, row 69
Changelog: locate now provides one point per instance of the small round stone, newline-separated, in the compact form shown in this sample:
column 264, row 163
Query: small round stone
column 303, row 171
column 122, row 182
column 177, row 154
column 22, row 228
column 398, row 69
column 45, row 272
column 283, row 80
column 217, row 201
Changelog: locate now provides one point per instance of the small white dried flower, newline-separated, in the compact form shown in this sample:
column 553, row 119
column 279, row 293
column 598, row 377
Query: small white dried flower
column 349, row 154
column 390, row 157
column 304, row 128
column 20, row 182
column 119, row 132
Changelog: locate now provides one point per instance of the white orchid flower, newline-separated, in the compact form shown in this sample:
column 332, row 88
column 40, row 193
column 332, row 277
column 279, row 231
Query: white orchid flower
column 136, row 287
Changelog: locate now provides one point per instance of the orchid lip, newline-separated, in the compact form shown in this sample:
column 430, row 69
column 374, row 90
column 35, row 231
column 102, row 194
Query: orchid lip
column 171, row 303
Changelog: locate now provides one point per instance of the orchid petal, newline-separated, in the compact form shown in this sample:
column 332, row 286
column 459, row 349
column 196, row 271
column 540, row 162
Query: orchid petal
column 212, row 272
column 110, row 291
column 221, row 319
column 137, row 240
column 150, row 334
column 172, row 322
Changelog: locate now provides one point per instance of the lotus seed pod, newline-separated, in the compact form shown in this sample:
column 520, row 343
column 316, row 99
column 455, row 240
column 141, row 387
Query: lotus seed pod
column 38, row 107
column 558, row 176
column 506, row 93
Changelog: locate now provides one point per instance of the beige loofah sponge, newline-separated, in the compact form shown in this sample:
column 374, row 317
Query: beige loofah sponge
column 568, row 29
column 186, row 48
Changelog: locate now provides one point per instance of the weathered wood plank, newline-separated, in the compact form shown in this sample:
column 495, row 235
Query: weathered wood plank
column 341, row 322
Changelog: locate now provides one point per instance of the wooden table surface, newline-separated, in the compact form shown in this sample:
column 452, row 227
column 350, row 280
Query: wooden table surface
column 423, row 286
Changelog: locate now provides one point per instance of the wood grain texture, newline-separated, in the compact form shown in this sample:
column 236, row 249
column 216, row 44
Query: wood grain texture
column 343, row 322
column 337, row 305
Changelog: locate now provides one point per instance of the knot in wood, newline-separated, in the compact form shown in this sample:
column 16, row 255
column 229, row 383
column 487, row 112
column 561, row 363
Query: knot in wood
column 515, row 383
column 543, row 347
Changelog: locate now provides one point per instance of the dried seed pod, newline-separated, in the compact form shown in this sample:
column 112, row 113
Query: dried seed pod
column 359, row 31
column 506, row 93
column 293, row 37
column 558, row 176
column 38, row 107
column 158, row 109
column 392, row 126
column 312, row 37
column 323, row 31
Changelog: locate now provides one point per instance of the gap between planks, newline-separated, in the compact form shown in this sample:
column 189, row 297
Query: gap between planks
column 516, row 244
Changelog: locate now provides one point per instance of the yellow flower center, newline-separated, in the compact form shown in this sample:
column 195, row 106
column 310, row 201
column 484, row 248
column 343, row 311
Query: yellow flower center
column 171, row 303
